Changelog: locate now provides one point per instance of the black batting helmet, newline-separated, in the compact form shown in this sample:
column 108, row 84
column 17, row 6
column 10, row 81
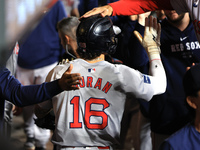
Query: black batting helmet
column 95, row 34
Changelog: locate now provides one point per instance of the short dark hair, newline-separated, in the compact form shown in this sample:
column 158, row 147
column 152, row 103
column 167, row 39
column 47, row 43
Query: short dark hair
column 68, row 26
column 88, row 55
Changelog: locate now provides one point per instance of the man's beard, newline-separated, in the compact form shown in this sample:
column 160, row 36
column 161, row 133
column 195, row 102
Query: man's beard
column 178, row 19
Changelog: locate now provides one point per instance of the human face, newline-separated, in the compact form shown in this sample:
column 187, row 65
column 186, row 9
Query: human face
column 173, row 17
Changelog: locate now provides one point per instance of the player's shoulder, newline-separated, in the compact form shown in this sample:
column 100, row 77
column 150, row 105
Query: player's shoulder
column 116, row 68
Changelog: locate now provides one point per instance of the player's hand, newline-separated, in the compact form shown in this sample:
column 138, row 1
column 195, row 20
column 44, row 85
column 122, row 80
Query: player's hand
column 17, row 110
column 142, row 17
column 151, row 39
column 103, row 10
column 188, row 68
column 70, row 81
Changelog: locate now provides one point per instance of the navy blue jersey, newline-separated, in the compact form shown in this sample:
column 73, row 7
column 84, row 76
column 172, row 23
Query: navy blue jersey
column 12, row 90
column 168, row 112
column 127, row 27
column 180, row 44
column 42, row 47
column 186, row 138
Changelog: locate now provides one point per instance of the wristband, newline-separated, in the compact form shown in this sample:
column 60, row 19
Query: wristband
column 153, row 52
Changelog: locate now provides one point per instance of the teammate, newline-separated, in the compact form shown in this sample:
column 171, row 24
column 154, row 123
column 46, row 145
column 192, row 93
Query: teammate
column 180, row 48
column 71, row 7
column 67, row 33
column 91, row 117
column 131, row 7
column 86, row 5
column 12, row 90
column 38, row 54
column 187, row 138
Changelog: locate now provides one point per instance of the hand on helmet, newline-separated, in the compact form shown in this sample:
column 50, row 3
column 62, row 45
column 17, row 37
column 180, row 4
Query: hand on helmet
column 151, row 39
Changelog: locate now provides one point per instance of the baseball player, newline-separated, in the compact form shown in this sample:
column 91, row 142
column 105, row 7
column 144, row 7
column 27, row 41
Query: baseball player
column 168, row 112
column 191, row 131
column 132, row 7
column 90, row 118
column 38, row 54
column 12, row 90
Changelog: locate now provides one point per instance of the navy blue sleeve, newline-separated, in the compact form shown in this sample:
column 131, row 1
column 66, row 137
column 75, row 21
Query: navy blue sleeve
column 42, row 46
column 12, row 90
column 139, row 58
column 165, row 146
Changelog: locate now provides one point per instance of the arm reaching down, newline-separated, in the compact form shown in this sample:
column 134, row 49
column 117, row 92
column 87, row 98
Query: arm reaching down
column 12, row 90
column 129, row 7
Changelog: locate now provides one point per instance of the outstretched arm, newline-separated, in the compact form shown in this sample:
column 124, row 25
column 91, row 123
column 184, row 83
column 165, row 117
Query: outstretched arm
column 12, row 90
column 129, row 7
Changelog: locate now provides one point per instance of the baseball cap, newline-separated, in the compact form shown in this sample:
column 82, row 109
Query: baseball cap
column 191, row 80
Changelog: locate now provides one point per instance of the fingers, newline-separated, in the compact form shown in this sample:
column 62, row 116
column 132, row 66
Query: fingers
column 92, row 12
column 69, row 69
column 107, row 11
column 188, row 68
column 155, row 24
column 70, row 81
column 75, row 88
column 151, row 24
column 138, row 35
column 103, row 10
column 73, row 77
column 159, row 33
column 74, row 83
column 146, row 30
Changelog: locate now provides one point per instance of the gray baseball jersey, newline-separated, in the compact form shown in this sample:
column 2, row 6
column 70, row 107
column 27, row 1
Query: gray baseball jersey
column 91, row 116
column 191, row 6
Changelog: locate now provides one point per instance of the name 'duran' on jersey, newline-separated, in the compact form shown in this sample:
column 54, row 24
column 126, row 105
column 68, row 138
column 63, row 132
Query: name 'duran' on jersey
column 188, row 46
column 88, row 82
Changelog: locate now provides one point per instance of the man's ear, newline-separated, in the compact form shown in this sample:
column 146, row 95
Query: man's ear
column 191, row 101
column 67, row 39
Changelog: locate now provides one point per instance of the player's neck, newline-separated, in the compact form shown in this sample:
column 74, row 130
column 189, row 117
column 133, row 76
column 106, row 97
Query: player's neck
column 97, row 59
column 197, row 122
